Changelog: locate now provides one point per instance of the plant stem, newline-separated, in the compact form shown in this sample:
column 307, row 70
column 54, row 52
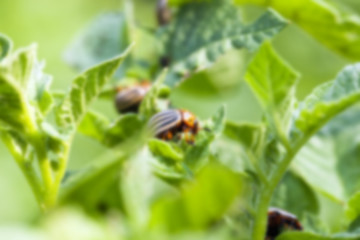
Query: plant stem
column 258, row 169
column 44, row 163
column 47, row 198
column 259, row 228
column 26, row 167
column 61, row 170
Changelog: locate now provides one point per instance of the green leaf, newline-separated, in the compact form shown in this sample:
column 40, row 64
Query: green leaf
column 290, row 190
column 94, row 125
column 139, row 188
column 149, row 104
column 251, row 136
column 317, row 164
column 341, row 130
column 217, row 121
column 123, row 128
column 313, row 236
column 182, row 2
column 348, row 156
column 84, row 90
column 5, row 46
column 353, row 207
column 39, row 89
column 197, row 155
column 227, row 152
column 17, row 144
column 15, row 72
column 329, row 165
column 327, row 101
column 203, row 31
column 273, row 82
column 89, row 184
column 200, row 203
column 165, row 150
column 344, row 122
column 106, row 37
column 111, row 134
column 193, row 157
column 333, row 26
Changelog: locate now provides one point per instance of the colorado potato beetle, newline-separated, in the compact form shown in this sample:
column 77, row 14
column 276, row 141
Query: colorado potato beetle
column 172, row 123
column 128, row 99
column 279, row 221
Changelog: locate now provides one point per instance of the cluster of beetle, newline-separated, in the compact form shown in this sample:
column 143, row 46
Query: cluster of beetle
column 169, row 124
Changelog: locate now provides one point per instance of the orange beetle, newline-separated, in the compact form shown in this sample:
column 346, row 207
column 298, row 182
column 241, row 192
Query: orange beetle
column 279, row 221
column 128, row 99
column 171, row 123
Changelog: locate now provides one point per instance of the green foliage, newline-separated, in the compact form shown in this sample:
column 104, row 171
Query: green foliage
column 302, row 157
column 178, row 162
column 84, row 90
column 328, row 100
column 353, row 210
column 273, row 82
column 202, row 31
column 25, row 126
column 200, row 203
column 312, row 236
column 325, row 103
column 290, row 190
column 335, row 27
column 149, row 104
column 106, row 37
column 5, row 46
column 248, row 135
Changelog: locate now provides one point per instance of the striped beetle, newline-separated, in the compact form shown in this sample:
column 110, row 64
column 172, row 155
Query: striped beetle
column 279, row 221
column 128, row 99
column 171, row 123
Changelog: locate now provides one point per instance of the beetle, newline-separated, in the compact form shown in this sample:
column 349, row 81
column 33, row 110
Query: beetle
column 171, row 123
column 279, row 221
column 128, row 99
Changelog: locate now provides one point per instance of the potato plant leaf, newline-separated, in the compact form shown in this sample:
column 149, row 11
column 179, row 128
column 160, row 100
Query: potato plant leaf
column 200, row 203
column 5, row 46
column 250, row 136
column 313, row 236
column 335, row 27
column 15, row 72
column 165, row 150
column 89, row 184
column 149, row 104
column 106, row 37
column 327, row 101
column 196, row 156
column 317, row 164
column 353, row 208
column 25, row 95
column 94, row 125
column 39, row 89
column 139, row 186
column 110, row 134
column 182, row 2
column 85, row 88
column 202, row 31
column 192, row 157
column 290, row 190
column 273, row 82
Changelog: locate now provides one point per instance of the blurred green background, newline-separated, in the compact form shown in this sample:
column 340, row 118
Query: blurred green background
column 53, row 24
